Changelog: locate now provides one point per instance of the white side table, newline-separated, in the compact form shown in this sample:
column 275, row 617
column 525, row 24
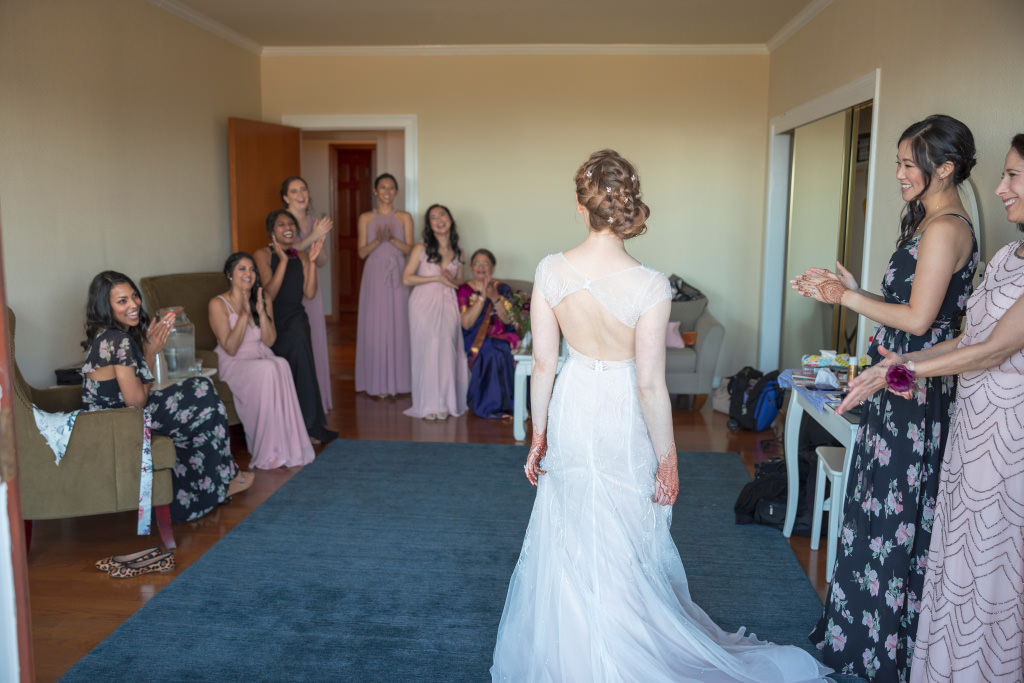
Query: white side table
column 524, row 368
column 207, row 372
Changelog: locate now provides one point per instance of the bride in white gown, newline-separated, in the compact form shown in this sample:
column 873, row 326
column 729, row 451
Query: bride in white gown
column 599, row 592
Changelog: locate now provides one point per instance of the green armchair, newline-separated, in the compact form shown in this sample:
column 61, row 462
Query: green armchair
column 100, row 470
column 193, row 292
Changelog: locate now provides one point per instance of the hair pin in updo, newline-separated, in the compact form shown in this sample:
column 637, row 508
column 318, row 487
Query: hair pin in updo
column 633, row 177
column 610, row 219
column 590, row 173
column 608, row 189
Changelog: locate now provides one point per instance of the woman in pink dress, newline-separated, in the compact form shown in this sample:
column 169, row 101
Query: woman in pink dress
column 440, row 375
column 971, row 626
column 295, row 197
column 260, row 381
column 382, row 337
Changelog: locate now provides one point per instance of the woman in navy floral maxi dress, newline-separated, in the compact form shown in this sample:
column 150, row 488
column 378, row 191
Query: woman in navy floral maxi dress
column 188, row 411
column 870, row 616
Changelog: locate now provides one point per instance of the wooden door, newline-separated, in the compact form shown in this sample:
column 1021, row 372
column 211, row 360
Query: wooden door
column 352, row 183
column 260, row 156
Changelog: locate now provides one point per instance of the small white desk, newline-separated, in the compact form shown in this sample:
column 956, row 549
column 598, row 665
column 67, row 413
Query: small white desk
column 838, row 426
column 524, row 368
column 207, row 372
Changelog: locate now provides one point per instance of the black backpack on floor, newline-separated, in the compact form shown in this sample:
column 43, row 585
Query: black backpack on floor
column 754, row 399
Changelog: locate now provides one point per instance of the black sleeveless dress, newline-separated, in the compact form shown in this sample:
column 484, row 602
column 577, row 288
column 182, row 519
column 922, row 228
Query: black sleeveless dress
column 295, row 346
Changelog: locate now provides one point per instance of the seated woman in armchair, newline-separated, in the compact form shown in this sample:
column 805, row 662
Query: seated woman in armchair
column 489, row 336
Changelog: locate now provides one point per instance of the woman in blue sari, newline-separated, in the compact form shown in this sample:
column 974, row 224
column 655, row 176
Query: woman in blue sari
column 489, row 336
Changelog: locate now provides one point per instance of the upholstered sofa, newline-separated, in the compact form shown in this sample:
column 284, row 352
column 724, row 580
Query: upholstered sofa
column 692, row 370
column 102, row 465
column 193, row 291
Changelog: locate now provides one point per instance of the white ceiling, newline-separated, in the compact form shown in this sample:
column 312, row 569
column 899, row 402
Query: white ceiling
column 277, row 26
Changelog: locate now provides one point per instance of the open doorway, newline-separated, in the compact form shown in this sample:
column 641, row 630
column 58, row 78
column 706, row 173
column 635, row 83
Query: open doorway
column 828, row 201
column 340, row 166
column 775, row 277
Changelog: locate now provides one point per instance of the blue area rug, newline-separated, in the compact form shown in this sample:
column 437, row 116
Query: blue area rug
column 389, row 561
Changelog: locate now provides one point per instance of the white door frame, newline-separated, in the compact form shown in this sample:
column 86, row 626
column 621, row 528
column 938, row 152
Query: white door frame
column 777, row 204
column 403, row 122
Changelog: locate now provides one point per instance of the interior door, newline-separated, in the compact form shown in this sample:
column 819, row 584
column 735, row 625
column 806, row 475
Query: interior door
column 352, row 185
column 260, row 156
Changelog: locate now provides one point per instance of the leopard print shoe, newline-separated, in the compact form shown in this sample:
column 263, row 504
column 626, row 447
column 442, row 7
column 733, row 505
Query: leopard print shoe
column 159, row 563
column 106, row 563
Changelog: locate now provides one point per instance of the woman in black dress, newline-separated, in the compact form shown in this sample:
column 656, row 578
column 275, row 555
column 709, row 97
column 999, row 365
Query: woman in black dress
column 290, row 276
column 122, row 345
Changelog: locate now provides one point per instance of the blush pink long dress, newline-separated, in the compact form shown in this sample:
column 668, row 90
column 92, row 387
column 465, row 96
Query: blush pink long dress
column 382, row 337
column 318, row 330
column 440, row 374
column 265, row 400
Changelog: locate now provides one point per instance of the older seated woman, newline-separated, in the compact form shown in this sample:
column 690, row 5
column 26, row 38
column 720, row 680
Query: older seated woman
column 489, row 336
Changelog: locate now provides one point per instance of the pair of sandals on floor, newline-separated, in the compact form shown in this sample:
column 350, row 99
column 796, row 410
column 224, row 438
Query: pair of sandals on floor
column 436, row 417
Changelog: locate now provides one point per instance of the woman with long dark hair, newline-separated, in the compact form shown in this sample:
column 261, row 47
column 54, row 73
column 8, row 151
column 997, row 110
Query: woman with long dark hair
column 289, row 276
column 122, row 345
column 260, row 381
column 440, row 376
column 385, row 237
column 870, row 619
column 971, row 626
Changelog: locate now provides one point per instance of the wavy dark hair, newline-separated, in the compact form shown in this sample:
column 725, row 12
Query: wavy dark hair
column 1018, row 145
column 229, row 267
column 272, row 218
column 933, row 142
column 99, row 315
column 382, row 176
column 608, row 188
column 430, row 239
column 284, row 191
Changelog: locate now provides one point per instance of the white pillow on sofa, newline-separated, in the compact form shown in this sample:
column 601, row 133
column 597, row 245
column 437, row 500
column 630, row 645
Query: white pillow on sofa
column 673, row 337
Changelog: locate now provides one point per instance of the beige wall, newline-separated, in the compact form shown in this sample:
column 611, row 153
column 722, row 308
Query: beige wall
column 501, row 137
column 935, row 56
column 113, row 131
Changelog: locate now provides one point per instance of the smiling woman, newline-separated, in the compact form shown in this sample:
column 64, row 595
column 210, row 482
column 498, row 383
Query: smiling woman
column 260, row 381
column 122, row 346
column 289, row 276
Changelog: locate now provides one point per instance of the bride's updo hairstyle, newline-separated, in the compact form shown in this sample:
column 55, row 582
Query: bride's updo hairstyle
column 608, row 188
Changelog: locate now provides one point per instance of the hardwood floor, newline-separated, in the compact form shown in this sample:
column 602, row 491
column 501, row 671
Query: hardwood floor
column 74, row 606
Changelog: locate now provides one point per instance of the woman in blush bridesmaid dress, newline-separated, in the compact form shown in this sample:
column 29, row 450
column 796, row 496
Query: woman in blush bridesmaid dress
column 440, row 374
column 382, row 336
column 295, row 197
column 260, row 381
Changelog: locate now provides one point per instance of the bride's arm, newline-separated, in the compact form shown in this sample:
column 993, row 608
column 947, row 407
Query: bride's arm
column 546, row 339
column 654, row 399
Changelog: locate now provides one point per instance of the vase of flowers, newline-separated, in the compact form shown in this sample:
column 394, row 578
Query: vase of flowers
column 519, row 308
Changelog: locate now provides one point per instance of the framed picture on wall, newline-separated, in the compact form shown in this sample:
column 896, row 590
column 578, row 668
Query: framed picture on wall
column 863, row 146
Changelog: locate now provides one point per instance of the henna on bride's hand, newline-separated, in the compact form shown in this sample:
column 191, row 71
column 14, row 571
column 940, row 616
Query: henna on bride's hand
column 831, row 291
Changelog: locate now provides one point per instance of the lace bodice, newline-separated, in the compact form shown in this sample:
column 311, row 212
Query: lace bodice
column 626, row 294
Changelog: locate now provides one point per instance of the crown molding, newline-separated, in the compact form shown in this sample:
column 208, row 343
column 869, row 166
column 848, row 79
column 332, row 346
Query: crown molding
column 206, row 23
column 538, row 49
column 802, row 18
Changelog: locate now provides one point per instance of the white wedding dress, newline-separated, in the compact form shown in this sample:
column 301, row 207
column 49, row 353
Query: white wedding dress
column 599, row 593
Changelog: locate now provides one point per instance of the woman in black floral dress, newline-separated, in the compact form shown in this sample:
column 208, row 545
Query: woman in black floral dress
column 870, row 618
column 122, row 346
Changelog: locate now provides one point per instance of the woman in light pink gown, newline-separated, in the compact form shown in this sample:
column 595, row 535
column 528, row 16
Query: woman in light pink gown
column 295, row 197
column 260, row 381
column 382, row 337
column 440, row 374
